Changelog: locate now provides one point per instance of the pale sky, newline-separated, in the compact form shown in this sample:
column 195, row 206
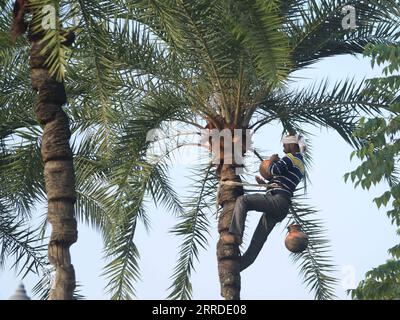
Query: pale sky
column 360, row 234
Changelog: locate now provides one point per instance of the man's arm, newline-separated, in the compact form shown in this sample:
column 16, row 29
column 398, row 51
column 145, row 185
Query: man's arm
column 280, row 167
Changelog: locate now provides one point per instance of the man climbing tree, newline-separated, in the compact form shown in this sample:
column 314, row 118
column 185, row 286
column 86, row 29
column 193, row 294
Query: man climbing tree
column 285, row 175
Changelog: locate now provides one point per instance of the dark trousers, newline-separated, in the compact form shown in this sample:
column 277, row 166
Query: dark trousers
column 275, row 207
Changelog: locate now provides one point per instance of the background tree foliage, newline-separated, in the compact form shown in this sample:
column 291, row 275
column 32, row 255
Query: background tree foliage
column 380, row 155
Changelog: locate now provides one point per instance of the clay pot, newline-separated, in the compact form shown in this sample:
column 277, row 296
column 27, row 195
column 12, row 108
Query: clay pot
column 264, row 169
column 296, row 240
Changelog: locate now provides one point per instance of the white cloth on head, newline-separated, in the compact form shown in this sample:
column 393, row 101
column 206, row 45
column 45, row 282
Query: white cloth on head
column 290, row 139
column 296, row 139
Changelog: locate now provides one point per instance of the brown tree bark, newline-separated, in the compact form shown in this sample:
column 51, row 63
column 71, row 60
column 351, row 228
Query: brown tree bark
column 58, row 168
column 228, row 255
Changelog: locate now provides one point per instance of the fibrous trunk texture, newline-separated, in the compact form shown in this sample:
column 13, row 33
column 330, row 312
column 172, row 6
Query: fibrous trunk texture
column 58, row 169
column 228, row 255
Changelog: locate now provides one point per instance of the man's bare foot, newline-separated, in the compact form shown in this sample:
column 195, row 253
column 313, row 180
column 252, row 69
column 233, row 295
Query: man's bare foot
column 230, row 238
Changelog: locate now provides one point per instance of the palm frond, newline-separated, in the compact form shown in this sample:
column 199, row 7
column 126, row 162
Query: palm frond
column 141, row 59
column 21, row 180
column 114, row 208
column 123, row 269
column 47, row 20
column 315, row 265
column 161, row 190
column 21, row 244
column 267, row 43
column 95, row 204
column 132, row 181
column 43, row 286
column 153, row 112
column 95, row 69
column 15, row 87
column 317, row 31
column 194, row 227
column 338, row 108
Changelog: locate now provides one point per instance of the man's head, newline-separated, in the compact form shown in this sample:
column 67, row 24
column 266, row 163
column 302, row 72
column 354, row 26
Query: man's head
column 291, row 144
column 291, row 148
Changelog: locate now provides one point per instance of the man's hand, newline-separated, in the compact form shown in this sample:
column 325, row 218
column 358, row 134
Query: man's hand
column 260, row 180
column 274, row 158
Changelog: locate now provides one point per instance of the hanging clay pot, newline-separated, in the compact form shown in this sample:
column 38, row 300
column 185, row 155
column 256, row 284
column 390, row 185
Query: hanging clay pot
column 296, row 240
column 264, row 169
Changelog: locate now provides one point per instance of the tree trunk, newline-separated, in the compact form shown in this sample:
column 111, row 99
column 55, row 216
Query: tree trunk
column 58, row 169
column 228, row 255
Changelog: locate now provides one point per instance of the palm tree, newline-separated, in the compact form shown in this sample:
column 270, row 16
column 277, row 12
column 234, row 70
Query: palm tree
column 235, row 59
column 198, row 63
column 104, row 190
column 55, row 149
column 19, row 187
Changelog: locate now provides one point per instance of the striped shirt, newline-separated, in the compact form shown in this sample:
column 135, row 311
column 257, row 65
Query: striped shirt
column 287, row 172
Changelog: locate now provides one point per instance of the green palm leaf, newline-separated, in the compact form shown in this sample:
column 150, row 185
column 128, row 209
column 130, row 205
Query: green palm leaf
column 194, row 227
column 338, row 108
column 315, row 265
column 318, row 33
column 20, row 243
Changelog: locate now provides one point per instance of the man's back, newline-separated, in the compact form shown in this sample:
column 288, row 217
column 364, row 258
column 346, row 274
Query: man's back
column 287, row 172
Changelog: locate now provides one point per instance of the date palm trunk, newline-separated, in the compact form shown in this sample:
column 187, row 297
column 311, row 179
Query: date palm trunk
column 58, row 168
column 228, row 255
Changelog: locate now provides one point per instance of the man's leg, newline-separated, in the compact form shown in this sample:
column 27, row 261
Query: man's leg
column 244, row 204
column 264, row 228
column 278, row 209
